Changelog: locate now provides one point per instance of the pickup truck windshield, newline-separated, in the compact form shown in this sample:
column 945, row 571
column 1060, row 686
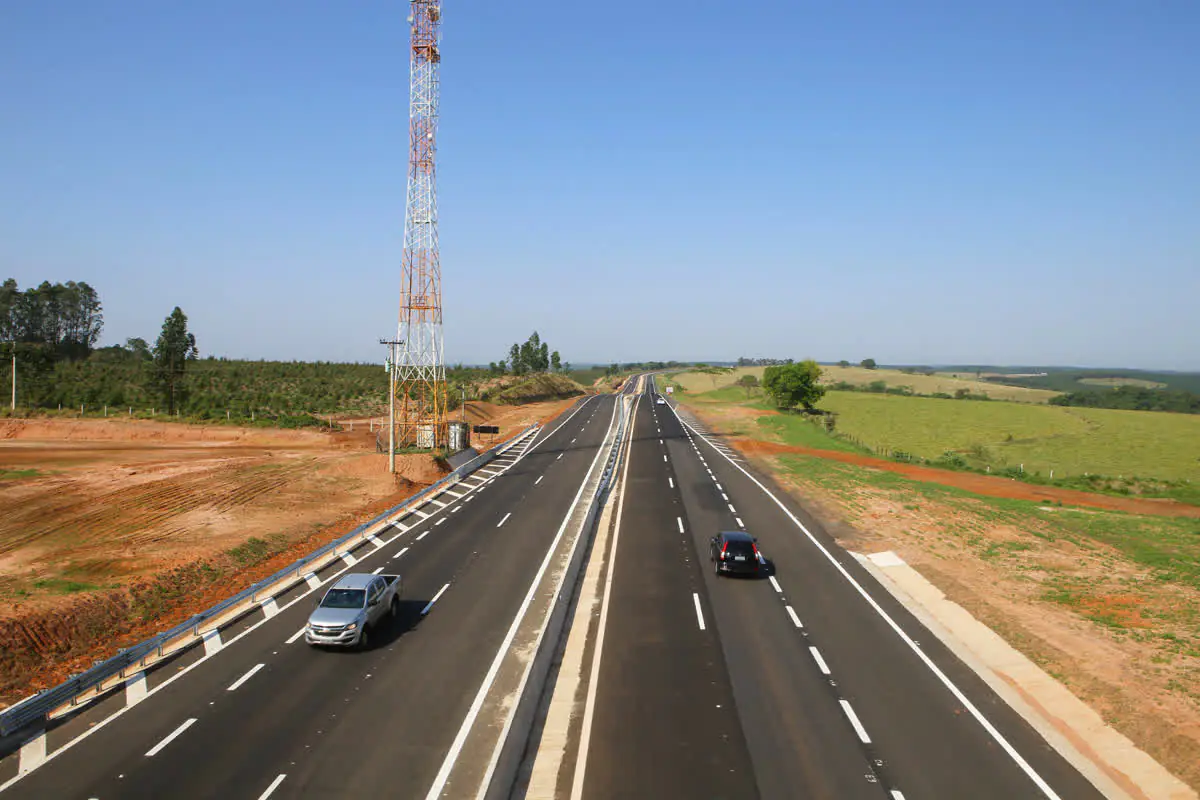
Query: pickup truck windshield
column 344, row 598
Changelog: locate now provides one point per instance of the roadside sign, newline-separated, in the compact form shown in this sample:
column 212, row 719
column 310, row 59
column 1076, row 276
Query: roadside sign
column 670, row 390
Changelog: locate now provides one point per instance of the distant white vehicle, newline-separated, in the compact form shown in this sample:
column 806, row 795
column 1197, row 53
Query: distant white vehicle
column 660, row 401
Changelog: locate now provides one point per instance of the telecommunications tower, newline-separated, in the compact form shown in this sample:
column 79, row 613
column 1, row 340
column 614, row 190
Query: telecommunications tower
column 417, row 366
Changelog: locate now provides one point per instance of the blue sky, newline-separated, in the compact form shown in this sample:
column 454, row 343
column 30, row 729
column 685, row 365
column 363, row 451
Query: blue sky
column 918, row 182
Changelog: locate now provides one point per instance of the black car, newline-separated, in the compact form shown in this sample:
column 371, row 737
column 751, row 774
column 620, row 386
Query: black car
column 734, row 553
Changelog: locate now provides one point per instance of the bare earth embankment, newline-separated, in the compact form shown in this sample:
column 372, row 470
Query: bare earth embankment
column 111, row 530
column 1101, row 591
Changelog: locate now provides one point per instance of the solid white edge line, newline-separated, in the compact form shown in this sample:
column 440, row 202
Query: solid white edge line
column 699, row 613
column 941, row 676
column 204, row 659
column 274, row 785
column 233, row 687
column 153, row 751
column 501, row 522
column 858, row 728
column 816, row 654
column 775, row 584
column 429, row 605
column 443, row 775
column 589, row 706
column 101, row 724
column 792, row 613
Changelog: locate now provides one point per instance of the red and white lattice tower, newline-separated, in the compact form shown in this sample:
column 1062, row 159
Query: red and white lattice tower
column 418, row 370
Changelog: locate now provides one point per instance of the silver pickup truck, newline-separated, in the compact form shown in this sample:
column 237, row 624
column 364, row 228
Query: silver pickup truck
column 351, row 608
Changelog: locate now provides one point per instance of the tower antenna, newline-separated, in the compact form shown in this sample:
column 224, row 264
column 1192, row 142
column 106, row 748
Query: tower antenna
column 418, row 369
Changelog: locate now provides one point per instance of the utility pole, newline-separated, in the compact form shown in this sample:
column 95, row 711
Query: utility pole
column 14, row 397
column 391, row 368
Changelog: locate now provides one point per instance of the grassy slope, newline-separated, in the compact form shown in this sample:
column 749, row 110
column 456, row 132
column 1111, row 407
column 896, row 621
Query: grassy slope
column 535, row 388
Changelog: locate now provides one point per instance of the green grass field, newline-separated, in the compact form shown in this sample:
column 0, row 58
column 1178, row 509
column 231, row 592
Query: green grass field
column 987, row 434
column 918, row 384
column 1070, row 441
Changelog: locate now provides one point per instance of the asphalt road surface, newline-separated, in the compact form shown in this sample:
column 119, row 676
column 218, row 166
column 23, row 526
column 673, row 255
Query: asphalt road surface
column 808, row 682
column 376, row 723
column 791, row 685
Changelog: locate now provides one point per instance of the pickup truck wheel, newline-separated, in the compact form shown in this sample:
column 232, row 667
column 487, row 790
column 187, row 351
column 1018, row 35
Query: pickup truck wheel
column 717, row 568
column 364, row 638
column 394, row 608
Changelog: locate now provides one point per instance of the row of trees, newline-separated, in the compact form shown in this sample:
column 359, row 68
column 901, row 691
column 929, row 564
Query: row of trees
column 51, row 327
column 533, row 355
column 866, row 363
column 762, row 362
column 64, row 319
column 1133, row 398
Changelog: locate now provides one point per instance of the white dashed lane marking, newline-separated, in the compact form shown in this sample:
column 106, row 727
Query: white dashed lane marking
column 153, row 751
column 233, row 687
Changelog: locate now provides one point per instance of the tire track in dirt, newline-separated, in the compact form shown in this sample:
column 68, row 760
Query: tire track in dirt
column 70, row 514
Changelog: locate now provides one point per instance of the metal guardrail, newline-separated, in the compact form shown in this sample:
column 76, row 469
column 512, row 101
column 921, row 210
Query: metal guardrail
column 40, row 706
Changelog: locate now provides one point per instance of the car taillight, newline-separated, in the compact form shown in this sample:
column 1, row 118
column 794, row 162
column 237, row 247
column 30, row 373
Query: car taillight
column 724, row 547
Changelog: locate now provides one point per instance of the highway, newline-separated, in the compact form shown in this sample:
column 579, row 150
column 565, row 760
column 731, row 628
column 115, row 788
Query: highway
column 337, row 724
column 792, row 685
column 809, row 682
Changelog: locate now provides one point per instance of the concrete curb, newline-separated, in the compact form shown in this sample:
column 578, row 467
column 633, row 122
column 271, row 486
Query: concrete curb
column 1112, row 763
column 523, row 719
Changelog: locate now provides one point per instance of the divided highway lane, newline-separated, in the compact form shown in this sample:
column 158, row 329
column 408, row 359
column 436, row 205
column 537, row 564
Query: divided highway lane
column 664, row 725
column 340, row 723
column 808, row 621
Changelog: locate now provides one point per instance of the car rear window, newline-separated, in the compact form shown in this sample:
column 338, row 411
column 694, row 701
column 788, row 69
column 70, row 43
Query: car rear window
column 739, row 548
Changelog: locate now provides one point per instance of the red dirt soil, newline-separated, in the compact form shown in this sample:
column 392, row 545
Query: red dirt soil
column 124, row 504
column 987, row 485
